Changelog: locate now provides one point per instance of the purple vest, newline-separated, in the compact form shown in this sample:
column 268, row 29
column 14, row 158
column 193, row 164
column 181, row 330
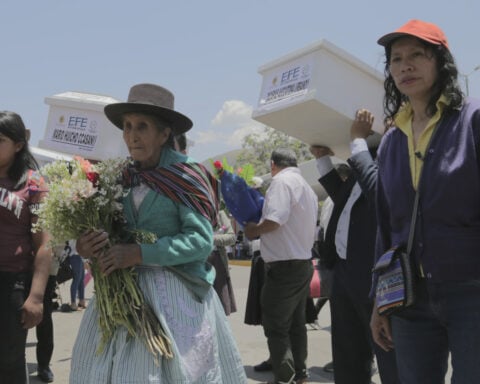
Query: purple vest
column 447, row 236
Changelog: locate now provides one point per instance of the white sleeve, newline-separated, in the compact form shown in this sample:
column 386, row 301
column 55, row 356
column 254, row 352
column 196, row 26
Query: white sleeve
column 324, row 165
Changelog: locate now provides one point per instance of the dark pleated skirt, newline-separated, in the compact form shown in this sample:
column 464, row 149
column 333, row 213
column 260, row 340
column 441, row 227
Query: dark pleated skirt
column 223, row 283
column 253, row 311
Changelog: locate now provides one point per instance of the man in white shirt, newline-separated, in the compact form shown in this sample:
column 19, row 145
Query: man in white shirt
column 287, row 232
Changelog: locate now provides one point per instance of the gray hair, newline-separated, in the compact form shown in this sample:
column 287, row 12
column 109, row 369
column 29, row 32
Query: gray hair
column 284, row 157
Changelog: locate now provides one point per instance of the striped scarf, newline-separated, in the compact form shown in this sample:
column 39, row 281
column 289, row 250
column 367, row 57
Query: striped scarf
column 190, row 184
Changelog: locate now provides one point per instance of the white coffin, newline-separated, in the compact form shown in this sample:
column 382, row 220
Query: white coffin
column 44, row 156
column 312, row 94
column 76, row 125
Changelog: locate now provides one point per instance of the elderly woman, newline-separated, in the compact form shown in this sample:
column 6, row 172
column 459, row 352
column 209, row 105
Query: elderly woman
column 174, row 198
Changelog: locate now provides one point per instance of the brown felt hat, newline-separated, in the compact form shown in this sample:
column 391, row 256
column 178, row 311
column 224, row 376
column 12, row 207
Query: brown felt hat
column 153, row 100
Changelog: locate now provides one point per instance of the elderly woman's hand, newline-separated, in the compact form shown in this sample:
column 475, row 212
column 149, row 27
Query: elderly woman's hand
column 120, row 256
column 92, row 243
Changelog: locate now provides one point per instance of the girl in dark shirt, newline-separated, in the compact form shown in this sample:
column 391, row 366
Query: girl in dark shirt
column 24, row 256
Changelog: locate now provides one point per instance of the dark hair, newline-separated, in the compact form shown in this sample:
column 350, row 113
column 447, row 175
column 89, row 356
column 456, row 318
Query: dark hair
column 284, row 157
column 181, row 140
column 170, row 143
column 343, row 170
column 446, row 84
column 12, row 126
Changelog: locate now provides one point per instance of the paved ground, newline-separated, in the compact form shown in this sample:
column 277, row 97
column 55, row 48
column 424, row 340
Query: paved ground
column 250, row 339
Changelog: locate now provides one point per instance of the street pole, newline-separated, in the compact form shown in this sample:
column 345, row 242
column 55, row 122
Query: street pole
column 467, row 76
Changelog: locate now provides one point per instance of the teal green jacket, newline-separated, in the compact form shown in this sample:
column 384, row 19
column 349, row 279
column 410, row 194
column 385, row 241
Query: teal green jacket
column 185, row 237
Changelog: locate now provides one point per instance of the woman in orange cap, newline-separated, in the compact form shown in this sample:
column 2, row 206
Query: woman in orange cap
column 432, row 147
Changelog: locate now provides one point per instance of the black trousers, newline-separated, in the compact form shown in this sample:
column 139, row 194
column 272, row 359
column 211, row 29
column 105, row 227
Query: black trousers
column 44, row 330
column 13, row 336
column 283, row 300
column 352, row 344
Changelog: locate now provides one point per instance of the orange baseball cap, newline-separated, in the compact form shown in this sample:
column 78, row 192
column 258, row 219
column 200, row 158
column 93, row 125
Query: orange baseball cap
column 424, row 31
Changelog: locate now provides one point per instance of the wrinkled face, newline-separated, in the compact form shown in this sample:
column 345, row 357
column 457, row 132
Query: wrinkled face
column 413, row 68
column 144, row 138
column 8, row 149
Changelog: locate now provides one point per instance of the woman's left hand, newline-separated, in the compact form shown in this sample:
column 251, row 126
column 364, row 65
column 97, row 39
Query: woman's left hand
column 32, row 313
column 120, row 256
column 381, row 330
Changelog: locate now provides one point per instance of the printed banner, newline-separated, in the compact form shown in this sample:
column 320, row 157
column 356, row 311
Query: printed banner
column 73, row 130
column 289, row 81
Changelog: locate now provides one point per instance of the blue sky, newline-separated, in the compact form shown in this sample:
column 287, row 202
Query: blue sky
column 207, row 52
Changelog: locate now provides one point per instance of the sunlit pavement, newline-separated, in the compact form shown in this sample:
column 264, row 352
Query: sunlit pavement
column 250, row 339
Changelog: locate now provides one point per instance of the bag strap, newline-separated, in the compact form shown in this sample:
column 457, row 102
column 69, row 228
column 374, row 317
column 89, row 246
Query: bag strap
column 413, row 222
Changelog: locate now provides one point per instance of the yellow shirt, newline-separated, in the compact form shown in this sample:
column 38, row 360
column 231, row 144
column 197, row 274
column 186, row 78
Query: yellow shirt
column 403, row 120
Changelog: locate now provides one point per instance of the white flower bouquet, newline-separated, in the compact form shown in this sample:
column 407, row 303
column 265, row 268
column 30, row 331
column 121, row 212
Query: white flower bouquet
column 84, row 196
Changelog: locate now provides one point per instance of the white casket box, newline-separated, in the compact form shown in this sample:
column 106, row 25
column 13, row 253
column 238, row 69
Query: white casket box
column 76, row 125
column 312, row 94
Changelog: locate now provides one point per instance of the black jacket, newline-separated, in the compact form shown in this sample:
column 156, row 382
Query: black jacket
column 362, row 226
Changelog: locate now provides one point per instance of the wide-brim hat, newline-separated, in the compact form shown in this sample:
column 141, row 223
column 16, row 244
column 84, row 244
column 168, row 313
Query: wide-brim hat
column 153, row 100
column 422, row 30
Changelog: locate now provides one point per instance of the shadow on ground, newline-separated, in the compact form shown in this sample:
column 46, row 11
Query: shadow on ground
column 317, row 375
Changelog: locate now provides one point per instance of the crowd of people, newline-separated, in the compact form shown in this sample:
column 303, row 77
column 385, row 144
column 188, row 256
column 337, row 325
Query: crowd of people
column 428, row 157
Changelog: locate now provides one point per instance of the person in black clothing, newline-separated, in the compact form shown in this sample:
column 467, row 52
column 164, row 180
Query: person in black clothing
column 44, row 332
column 349, row 247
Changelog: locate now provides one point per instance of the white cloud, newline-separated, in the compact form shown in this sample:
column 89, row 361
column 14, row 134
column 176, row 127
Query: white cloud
column 233, row 112
column 236, row 138
column 206, row 137
column 234, row 118
column 227, row 129
column 223, row 142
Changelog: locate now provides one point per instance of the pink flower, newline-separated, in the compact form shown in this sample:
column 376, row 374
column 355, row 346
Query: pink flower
column 36, row 183
column 85, row 165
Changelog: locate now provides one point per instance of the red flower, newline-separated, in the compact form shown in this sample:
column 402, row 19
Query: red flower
column 93, row 178
column 218, row 165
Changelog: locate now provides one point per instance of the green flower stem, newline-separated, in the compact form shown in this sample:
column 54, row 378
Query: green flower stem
column 120, row 302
